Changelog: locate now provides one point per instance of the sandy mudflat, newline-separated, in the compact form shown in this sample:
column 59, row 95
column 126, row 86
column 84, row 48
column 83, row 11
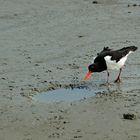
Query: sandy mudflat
column 48, row 44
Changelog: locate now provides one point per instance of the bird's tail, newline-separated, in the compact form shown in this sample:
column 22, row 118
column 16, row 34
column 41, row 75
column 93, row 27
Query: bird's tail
column 130, row 48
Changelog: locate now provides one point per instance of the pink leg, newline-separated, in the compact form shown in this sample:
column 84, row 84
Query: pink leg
column 118, row 78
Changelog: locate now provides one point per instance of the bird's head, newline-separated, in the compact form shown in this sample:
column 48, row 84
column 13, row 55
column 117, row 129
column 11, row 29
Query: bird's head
column 91, row 69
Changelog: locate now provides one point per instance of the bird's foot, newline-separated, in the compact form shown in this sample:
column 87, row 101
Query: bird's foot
column 106, row 84
column 118, row 80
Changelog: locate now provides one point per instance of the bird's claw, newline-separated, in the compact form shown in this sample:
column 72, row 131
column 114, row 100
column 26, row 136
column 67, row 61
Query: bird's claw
column 118, row 80
column 106, row 84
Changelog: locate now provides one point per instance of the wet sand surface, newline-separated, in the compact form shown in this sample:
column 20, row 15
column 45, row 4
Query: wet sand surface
column 47, row 45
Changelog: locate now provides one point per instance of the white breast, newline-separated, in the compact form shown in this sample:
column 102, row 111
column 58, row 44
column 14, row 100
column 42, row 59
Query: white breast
column 112, row 64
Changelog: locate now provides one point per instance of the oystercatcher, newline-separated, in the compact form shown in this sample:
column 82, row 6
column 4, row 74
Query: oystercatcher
column 109, row 59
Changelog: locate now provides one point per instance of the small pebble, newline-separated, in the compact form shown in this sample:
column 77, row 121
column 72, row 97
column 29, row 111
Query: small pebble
column 134, row 5
column 95, row 2
column 129, row 116
column 80, row 36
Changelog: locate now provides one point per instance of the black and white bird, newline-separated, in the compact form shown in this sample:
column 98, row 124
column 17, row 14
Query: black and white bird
column 109, row 59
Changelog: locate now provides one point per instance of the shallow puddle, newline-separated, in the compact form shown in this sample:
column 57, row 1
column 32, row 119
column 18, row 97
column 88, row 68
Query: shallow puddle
column 68, row 94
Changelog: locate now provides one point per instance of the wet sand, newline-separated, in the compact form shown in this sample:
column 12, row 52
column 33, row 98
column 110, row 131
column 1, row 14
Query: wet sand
column 47, row 45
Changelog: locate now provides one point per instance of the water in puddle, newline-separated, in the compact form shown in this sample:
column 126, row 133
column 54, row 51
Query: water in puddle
column 68, row 95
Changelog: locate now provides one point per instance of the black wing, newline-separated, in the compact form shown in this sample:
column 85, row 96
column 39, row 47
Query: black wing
column 116, row 55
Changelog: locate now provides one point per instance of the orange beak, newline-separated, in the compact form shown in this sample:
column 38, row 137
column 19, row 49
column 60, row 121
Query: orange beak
column 87, row 75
